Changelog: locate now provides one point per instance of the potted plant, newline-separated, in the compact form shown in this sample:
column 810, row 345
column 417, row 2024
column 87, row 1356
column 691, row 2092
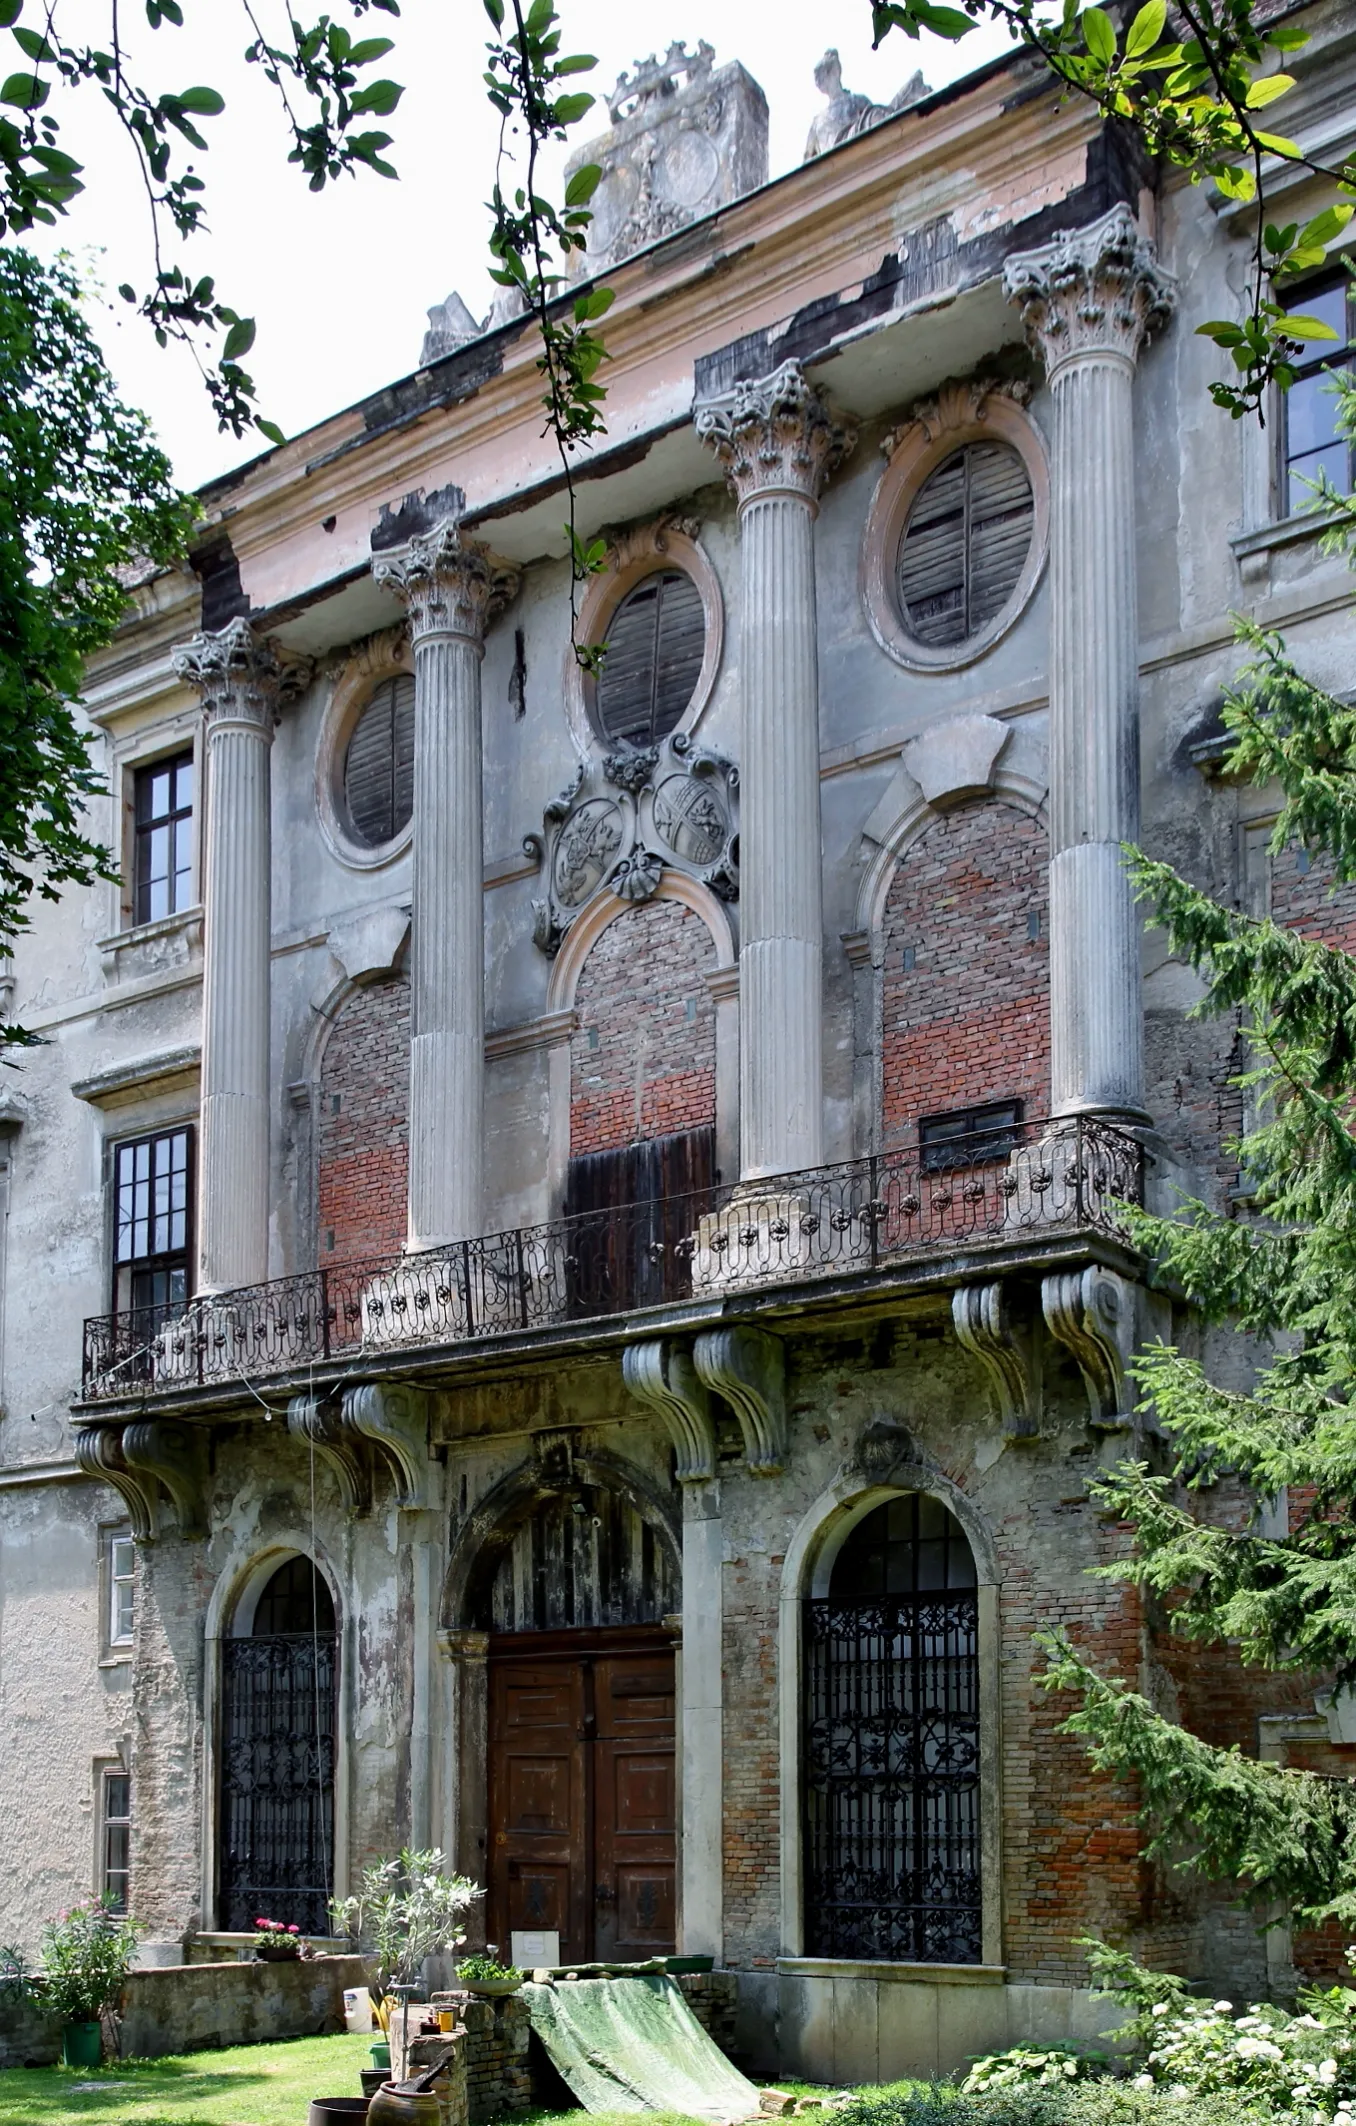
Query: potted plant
column 405, row 1911
column 486, row 1976
column 86, row 1955
column 277, row 1943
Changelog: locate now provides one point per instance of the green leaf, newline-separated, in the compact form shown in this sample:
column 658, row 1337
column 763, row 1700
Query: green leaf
column 1099, row 34
column 1267, row 90
column 567, row 110
column 239, row 340
column 495, row 10
column 379, row 97
column 1300, row 327
column 1286, row 38
column 947, row 22
column 206, row 103
column 1223, row 331
column 269, row 429
column 1278, row 144
column 541, row 15
column 371, row 48
column 32, row 45
column 1279, row 240
column 24, row 91
column 1146, row 29
column 582, row 186
column 578, row 63
column 1236, row 183
column 10, row 11
column 1325, row 226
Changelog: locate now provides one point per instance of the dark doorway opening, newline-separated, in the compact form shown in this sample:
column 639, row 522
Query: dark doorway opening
column 582, row 1791
column 276, row 1841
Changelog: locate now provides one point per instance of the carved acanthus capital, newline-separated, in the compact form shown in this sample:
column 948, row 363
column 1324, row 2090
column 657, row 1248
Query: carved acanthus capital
column 239, row 677
column 450, row 585
column 1098, row 290
column 775, row 436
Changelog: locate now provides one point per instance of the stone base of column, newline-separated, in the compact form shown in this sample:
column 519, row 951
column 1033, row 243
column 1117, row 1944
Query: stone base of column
column 1096, row 1010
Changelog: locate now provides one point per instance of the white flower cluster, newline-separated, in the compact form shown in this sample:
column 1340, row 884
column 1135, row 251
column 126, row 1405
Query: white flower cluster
column 1303, row 2064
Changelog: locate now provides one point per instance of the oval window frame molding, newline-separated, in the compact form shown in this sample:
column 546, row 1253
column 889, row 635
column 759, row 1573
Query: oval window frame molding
column 977, row 412
column 667, row 543
column 384, row 656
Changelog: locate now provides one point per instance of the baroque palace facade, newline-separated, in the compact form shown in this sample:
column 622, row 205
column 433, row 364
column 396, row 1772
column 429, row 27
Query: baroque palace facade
column 562, row 1286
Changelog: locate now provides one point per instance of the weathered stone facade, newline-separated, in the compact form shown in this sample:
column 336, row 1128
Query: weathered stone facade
column 860, row 870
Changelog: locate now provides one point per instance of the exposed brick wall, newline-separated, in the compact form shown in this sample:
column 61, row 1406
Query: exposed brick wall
column 362, row 1130
column 643, row 1055
column 752, row 1783
column 1301, row 897
column 966, row 1006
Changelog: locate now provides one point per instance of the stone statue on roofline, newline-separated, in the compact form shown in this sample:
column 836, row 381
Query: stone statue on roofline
column 846, row 114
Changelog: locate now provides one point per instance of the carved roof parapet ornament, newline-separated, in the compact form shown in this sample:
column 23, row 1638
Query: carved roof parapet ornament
column 775, row 434
column 450, row 585
column 655, row 80
column 626, row 819
column 847, row 114
column 957, row 404
column 1098, row 290
column 240, row 678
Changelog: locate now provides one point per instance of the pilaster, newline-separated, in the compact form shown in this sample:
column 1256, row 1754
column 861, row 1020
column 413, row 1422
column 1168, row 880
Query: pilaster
column 238, row 679
column 778, row 443
column 450, row 587
column 1088, row 302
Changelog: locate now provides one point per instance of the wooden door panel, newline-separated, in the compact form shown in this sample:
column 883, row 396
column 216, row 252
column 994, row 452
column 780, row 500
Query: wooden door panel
column 538, row 1803
column 642, row 1793
column 538, row 1898
column 537, row 1796
column 645, row 1912
column 633, row 1806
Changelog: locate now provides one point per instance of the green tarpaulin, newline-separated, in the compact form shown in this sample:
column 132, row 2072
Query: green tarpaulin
column 633, row 2044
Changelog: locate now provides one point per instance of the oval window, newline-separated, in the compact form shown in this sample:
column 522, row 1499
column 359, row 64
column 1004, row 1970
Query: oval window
column 379, row 764
column 656, row 641
column 965, row 544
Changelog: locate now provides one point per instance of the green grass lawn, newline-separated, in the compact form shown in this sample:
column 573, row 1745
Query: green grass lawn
column 247, row 2085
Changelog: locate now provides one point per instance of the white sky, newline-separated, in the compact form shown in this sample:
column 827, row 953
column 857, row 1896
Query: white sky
column 340, row 282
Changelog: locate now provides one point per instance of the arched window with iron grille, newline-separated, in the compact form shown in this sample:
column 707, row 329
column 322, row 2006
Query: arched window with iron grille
column 891, row 1743
column 276, row 1842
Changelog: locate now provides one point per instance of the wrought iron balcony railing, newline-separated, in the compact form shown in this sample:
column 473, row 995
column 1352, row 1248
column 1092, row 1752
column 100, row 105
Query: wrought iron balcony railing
column 1032, row 1179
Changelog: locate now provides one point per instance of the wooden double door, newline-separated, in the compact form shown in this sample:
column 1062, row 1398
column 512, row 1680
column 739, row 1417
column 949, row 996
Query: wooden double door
column 582, row 1792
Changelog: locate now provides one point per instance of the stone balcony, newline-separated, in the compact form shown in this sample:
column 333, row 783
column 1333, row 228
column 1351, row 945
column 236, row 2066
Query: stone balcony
column 1035, row 1191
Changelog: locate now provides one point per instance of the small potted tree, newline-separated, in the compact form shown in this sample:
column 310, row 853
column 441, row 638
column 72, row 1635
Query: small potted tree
column 405, row 1911
column 86, row 1955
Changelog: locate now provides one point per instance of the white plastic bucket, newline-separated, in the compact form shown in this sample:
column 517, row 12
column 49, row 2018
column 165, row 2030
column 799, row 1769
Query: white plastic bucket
column 357, row 2009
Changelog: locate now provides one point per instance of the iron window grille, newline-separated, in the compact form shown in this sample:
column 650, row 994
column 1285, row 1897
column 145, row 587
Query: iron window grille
column 152, row 1195
column 121, row 1585
column 965, row 544
column 1310, row 439
column 115, row 1839
column 162, row 805
column 277, row 1758
column 656, row 642
column 969, row 1136
column 379, row 764
column 891, row 1745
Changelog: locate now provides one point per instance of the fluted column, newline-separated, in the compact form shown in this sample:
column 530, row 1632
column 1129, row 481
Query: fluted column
column 237, row 677
column 450, row 587
column 1088, row 302
column 778, row 444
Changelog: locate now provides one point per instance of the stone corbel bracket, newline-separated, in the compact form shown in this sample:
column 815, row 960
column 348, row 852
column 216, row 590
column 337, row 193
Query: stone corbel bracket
column 395, row 1419
column 662, row 1374
column 984, row 1328
column 319, row 1423
column 1092, row 1313
column 748, row 1368
column 145, row 1459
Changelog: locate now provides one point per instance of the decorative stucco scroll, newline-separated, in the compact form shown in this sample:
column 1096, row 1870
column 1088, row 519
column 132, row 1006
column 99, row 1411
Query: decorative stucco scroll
column 625, row 819
column 144, row 1463
column 984, row 1328
column 319, row 1422
column 1092, row 1313
column 395, row 1419
column 662, row 1373
column 748, row 1368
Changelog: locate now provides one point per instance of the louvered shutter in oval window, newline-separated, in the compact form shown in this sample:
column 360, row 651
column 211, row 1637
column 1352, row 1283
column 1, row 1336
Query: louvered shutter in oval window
column 379, row 764
column 656, row 641
column 965, row 544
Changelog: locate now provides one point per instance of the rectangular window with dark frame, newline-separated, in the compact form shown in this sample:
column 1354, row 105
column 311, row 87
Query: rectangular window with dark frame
column 121, row 1566
column 153, row 1221
column 163, row 808
column 968, row 1136
column 1310, row 441
column 115, row 1836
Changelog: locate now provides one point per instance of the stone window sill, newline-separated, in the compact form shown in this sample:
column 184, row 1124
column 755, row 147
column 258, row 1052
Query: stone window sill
column 186, row 922
column 1286, row 531
column 893, row 1974
column 122, row 1658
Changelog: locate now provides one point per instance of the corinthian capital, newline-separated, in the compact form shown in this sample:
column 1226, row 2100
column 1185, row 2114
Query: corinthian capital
column 450, row 585
column 238, row 676
column 1099, row 290
column 775, row 435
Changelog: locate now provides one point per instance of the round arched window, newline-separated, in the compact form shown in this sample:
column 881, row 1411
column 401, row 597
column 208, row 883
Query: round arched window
column 965, row 544
column 656, row 641
column 378, row 777
column 908, row 1546
column 296, row 1600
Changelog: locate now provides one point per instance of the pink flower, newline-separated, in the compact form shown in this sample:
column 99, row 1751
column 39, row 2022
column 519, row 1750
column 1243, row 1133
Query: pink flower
column 294, row 1930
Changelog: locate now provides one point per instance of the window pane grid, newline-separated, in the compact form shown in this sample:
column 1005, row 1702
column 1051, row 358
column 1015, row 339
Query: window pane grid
column 117, row 1838
column 1312, row 442
column 152, row 1220
column 121, row 1576
column 163, row 806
